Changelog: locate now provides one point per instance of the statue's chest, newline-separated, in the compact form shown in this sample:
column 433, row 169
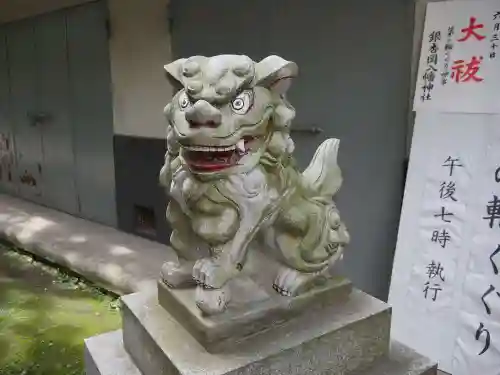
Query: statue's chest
column 185, row 189
column 195, row 196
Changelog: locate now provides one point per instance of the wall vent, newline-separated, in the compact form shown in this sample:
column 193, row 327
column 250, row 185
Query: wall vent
column 144, row 221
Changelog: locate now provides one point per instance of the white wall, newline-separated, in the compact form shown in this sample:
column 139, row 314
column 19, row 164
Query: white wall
column 139, row 48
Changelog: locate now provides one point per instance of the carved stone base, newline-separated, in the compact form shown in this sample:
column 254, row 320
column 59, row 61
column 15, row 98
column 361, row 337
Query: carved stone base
column 105, row 355
column 340, row 338
column 252, row 309
column 351, row 339
column 333, row 329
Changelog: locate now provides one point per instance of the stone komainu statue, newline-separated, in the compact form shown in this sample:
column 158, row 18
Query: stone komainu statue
column 232, row 179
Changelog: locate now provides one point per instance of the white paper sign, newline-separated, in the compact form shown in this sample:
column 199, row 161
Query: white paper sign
column 459, row 69
column 445, row 288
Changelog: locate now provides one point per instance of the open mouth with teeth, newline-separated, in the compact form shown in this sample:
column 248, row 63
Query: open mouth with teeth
column 216, row 158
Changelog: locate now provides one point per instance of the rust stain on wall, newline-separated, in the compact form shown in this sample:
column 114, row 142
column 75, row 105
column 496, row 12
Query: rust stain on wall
column 27, row 179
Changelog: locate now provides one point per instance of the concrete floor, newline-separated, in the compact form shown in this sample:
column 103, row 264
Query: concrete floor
column 116, row 260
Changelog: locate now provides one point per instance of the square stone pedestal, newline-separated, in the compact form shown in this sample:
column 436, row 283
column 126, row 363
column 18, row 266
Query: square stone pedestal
column 105, row 355
column 347, row 338
column 252, row 309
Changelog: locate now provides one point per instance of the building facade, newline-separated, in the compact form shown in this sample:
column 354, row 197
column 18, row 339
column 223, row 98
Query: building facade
column 82, row 90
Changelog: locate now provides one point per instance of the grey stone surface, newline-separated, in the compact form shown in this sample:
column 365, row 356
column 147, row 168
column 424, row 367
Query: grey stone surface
column 116, row 260
column 251, row 310
column 402, row 361
column 105, row 355
column 113, row 360
column 337, row 339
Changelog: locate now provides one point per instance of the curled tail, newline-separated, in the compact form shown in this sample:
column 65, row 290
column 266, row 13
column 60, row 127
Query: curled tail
column 323, row 177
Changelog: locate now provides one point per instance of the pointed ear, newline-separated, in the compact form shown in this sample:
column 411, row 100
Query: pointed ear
column 275, row 73
column 174, row 72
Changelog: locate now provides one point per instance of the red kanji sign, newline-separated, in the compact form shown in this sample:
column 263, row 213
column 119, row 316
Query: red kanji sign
column 464, row 72
column 470, row 31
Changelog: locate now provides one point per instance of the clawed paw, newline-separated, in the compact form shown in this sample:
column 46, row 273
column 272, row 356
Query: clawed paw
column 211, row 274
column 281, row 290
column 212, row 301
column 177, row 275
column 290, row 283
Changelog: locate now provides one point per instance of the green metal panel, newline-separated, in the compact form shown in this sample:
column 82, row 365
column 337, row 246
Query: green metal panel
column 22, row 68
column 58, row 168
column 91, row 111
column 55, row 89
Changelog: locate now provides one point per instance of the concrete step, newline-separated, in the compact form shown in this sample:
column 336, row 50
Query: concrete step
column 339, row 339
column 105, row 355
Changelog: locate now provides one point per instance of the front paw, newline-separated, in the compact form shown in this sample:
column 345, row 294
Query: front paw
column 212, row 273
column 177, row 275
column 212, row 301
column 291, row 283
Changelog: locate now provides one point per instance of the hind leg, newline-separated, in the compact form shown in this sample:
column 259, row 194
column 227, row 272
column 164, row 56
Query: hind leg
column 311, row 256
column 290, row 282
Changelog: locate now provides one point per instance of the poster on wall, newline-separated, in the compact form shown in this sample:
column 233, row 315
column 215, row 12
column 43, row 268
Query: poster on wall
column 459, row 68
column 445, row 287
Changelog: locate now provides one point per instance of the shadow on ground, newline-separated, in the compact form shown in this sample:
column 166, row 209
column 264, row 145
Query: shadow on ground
column 44, row 317
column 103, row 254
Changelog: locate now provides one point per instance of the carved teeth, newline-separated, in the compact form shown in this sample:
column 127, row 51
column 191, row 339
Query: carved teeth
column 209, row 148
column 241, row 145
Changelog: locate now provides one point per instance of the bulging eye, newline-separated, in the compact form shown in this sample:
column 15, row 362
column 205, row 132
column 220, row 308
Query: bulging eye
column 242, row 103
column 184, row 101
